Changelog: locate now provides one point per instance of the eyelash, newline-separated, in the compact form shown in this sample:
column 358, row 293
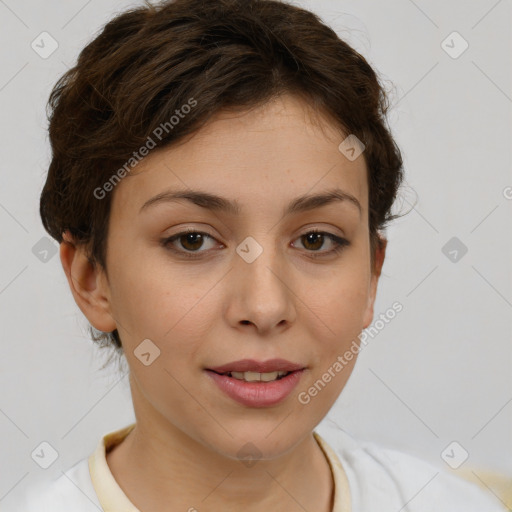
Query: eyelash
column 340, row 243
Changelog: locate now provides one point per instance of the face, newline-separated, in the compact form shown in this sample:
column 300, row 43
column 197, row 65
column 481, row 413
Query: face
column 257, row 284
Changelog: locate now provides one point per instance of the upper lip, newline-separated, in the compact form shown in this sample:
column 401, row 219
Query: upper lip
column 251, row 365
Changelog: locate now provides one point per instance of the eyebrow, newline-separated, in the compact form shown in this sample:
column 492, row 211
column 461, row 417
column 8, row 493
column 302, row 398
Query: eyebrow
column 217, row 203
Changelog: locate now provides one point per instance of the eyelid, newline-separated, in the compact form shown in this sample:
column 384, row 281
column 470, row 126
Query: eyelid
column 339, row 243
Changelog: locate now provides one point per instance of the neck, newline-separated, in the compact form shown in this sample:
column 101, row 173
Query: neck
column 160, row 468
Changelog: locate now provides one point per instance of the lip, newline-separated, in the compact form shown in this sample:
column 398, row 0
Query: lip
column 257, row 394
column 251, row 365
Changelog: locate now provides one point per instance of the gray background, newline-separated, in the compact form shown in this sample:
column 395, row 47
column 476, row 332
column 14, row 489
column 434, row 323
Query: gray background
column 439, row 372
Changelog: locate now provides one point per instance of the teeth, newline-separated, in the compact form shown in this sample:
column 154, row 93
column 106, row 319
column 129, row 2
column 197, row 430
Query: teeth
column 255, row 376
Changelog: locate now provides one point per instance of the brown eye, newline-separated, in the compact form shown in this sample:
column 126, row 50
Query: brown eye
column 187, row 243
column 314, row 240
column 191, row 241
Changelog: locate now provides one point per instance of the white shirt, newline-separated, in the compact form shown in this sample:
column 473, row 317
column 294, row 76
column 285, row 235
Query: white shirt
column 367, row 478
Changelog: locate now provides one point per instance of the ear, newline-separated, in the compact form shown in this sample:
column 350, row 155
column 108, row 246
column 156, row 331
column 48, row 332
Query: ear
column 88, row 284
column 380, row 254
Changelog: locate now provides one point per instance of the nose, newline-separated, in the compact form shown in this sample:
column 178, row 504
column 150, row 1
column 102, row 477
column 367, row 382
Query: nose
column 260, row 289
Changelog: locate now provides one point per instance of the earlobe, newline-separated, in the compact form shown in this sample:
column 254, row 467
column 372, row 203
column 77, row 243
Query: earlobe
column 87, row 284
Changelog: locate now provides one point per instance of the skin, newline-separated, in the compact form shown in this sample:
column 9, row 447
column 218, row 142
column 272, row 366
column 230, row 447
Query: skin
column 218, row 308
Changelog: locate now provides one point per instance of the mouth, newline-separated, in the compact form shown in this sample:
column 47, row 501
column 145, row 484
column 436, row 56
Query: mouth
column 257, row 384
column 261, row 367
column 255, row 376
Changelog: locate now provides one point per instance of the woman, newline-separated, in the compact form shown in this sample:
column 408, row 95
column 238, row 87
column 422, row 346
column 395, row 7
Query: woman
column 221, row 176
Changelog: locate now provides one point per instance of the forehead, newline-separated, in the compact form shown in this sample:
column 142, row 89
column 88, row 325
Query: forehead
column 263, row 156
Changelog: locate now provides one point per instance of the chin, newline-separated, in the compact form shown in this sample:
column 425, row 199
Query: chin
column 263, row 441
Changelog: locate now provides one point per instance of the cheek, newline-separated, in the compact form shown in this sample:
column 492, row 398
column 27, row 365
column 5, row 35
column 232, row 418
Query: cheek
column 341, row 300
column 336, row 334
column 335, row 319
column 164, row 386
column 151, row 299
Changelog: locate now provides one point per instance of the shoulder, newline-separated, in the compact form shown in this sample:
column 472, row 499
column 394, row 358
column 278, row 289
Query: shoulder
column 74, row 487
column 422, row 485
column 392, row 480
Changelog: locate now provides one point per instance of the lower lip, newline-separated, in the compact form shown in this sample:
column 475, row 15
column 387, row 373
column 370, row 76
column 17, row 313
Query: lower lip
column 257, row 394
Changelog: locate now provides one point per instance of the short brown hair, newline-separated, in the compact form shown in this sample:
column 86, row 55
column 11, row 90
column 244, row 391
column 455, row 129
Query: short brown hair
column 149, row 61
